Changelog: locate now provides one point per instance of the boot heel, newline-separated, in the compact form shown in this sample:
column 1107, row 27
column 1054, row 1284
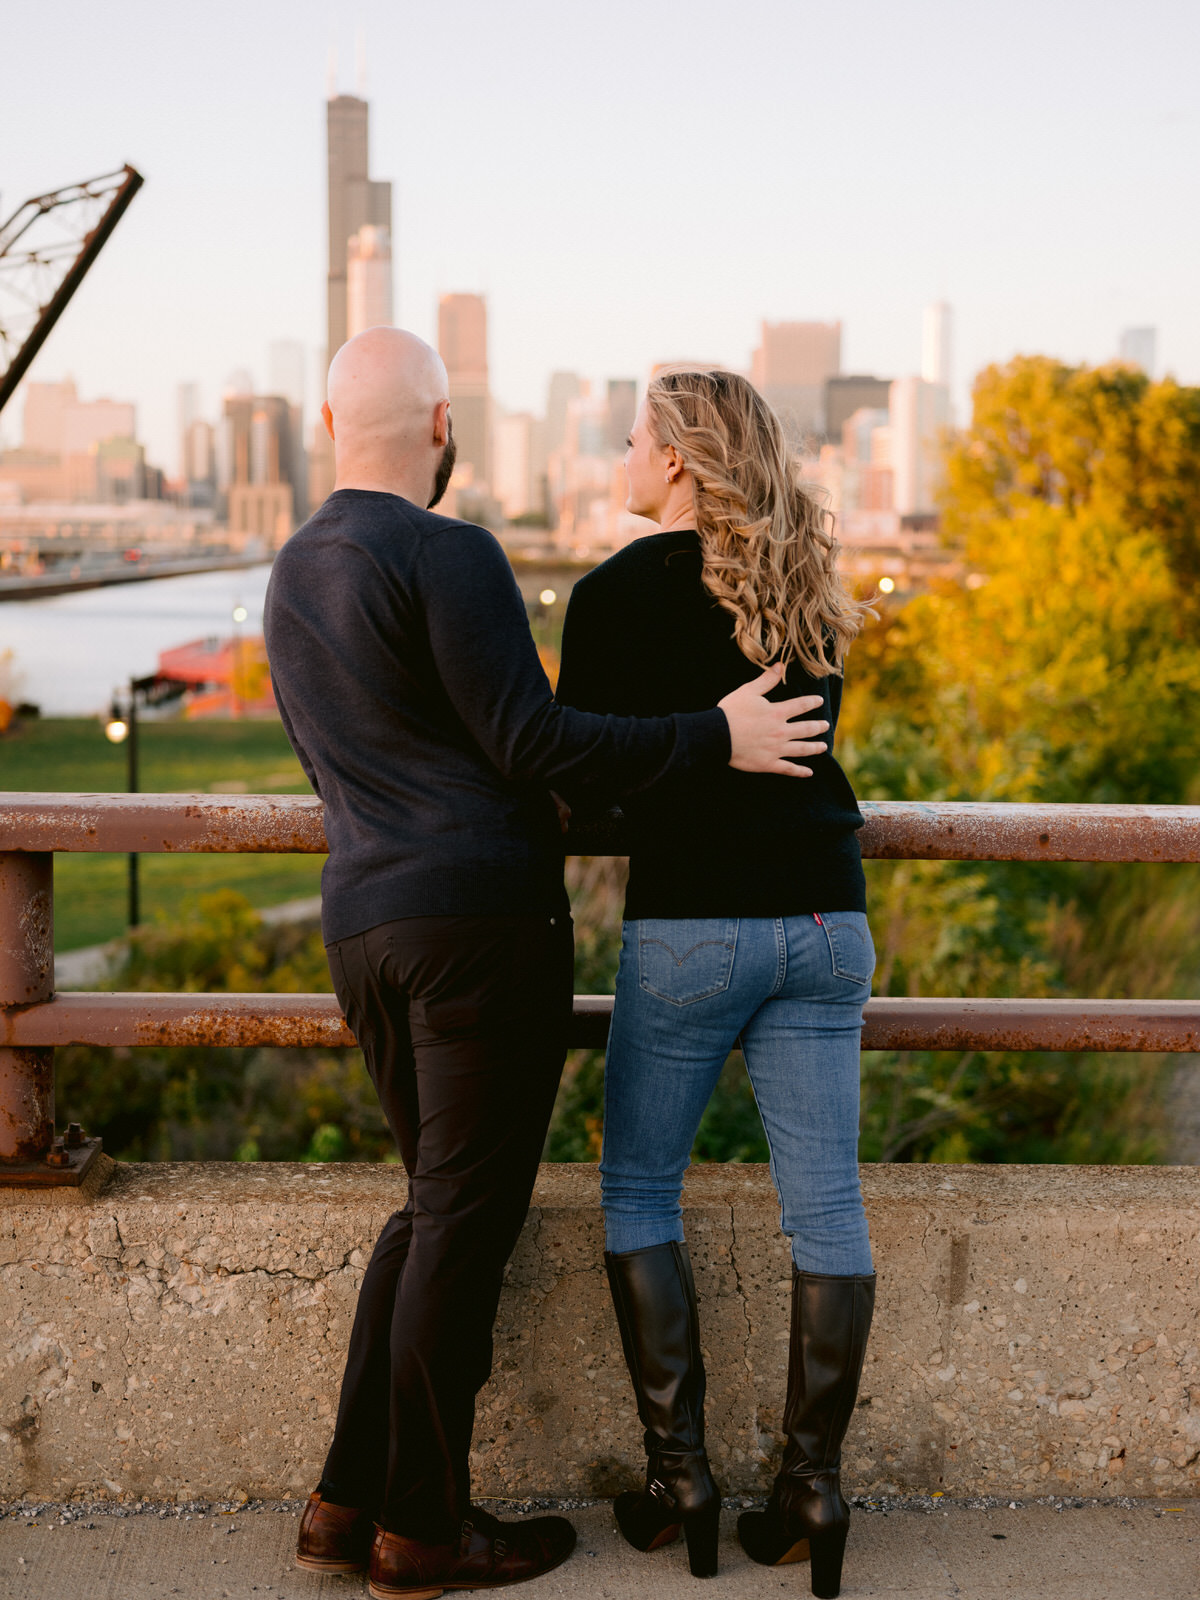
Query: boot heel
column 825, row 1553
column 701, row 1530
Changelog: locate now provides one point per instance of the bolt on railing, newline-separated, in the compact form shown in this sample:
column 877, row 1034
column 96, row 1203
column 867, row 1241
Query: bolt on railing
column 33, row 1019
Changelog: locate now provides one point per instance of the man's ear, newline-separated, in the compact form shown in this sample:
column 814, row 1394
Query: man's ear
column 327, row 419
column 441, row 422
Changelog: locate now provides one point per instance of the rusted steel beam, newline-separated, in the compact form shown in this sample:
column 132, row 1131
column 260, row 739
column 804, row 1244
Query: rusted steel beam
column 314, row 1019
column 253, row 823
column 1118, row 1025
column 139, row 1018
column 943, row 830
column 938, row 830
column 26, row 978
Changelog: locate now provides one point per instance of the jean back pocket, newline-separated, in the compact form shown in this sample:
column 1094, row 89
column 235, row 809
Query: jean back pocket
column 850, row 944
column 684, row 959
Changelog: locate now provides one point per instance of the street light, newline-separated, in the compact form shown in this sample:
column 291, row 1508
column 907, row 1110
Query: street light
column 235, row 705
column 121, row 727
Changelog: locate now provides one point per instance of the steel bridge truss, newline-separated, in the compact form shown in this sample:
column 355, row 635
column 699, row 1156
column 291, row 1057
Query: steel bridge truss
column 46, row 249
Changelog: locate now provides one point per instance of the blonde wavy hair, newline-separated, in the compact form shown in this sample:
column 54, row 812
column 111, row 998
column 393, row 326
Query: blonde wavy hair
column 770, row 559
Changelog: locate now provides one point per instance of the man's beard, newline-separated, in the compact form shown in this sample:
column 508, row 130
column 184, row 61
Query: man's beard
column 441, row 481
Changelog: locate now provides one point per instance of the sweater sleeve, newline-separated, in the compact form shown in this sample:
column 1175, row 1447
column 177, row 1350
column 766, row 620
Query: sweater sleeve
column 485, row 656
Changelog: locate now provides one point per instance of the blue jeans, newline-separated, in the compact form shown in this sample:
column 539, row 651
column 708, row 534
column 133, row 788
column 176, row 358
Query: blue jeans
column 791, row 990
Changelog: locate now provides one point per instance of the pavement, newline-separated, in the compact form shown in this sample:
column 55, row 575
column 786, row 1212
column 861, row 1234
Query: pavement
column 922, row 1550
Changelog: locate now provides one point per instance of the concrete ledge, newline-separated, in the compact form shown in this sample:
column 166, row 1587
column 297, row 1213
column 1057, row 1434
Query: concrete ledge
column 179, row 1330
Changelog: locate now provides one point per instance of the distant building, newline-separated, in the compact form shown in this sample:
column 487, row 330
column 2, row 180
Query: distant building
column 867, row 477
column 263, row 510
column 518, row 464
column 44, row 424
column 793, row 363
column 369, row 280
column 937, row 336
column 463, row 346
column 199, row 464
column 622, row 412
column 187, row 412
column 88, row 423
column 120, row 471
column 286, row 371
column 1138, row 348
column 355, row 201
column 62, row 436
column 844, row 395
column 563, row 388
column 918, row 413
column 257, row 450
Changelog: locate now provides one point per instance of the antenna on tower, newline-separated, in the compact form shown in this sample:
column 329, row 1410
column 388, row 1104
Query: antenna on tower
column 331, row 84
column 360, row 60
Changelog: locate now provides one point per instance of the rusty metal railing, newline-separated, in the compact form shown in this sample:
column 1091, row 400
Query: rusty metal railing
column 34, row 1020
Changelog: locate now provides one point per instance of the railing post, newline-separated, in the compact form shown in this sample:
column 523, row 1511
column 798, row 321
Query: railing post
column 29, row 1152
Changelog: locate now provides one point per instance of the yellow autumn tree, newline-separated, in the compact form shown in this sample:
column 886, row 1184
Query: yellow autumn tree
column 1066, row 665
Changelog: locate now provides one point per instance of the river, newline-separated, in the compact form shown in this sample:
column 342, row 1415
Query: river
column 71, row 651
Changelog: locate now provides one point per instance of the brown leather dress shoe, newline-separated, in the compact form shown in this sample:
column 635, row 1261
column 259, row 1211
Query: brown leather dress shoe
column 333, row 1538
column 486, row 1555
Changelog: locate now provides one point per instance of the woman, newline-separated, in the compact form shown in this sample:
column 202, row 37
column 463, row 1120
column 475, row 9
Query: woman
column 745, row 923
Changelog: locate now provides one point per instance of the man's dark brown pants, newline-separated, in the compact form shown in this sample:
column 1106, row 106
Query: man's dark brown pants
column 463, row 1022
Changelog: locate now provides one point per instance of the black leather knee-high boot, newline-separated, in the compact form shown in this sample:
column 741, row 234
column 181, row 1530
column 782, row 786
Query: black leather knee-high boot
column 807, row 1516
column 655, row 1299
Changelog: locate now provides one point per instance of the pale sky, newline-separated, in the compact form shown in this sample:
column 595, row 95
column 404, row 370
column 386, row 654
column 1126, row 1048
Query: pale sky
column 626, row 181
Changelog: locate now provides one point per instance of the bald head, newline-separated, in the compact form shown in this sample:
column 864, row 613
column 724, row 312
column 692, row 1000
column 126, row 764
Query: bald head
column 387, row 410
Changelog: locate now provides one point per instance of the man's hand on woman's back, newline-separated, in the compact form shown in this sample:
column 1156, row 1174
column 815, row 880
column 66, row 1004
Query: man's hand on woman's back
column 761, row 732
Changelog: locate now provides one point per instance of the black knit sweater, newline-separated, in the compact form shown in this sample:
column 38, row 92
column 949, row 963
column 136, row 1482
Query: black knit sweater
column 643, row 637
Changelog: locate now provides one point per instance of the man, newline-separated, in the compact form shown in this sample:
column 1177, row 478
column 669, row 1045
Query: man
column 410, row 689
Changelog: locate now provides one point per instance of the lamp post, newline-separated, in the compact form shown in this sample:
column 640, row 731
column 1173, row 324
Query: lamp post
column 235, row 703
column 122, row 728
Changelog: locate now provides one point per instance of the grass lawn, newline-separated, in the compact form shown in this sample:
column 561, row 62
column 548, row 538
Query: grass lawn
column 70, row 753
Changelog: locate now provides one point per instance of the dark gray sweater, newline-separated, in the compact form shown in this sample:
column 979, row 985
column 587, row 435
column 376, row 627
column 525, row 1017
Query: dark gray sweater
column 411, row 691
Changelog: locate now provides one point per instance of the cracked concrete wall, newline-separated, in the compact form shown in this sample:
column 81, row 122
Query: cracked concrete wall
column 179, row 1330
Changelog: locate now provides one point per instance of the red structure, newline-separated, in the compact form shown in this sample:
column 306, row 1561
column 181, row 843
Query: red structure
column 226, row 677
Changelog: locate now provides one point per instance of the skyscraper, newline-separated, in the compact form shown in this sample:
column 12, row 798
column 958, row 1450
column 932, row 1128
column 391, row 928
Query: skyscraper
column 919, row 411
column 1139, row 348
column 188, row 412
column 790, row 368
column 355, row 201
column 937, row 331
column 369, row 280
column 462, row 345
column 45, row 424
column 622, row 412
column 564, row 387
column 285, row 371
column 846, row 395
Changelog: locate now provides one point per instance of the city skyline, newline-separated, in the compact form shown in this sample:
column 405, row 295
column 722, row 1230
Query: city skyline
column 925, row 167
